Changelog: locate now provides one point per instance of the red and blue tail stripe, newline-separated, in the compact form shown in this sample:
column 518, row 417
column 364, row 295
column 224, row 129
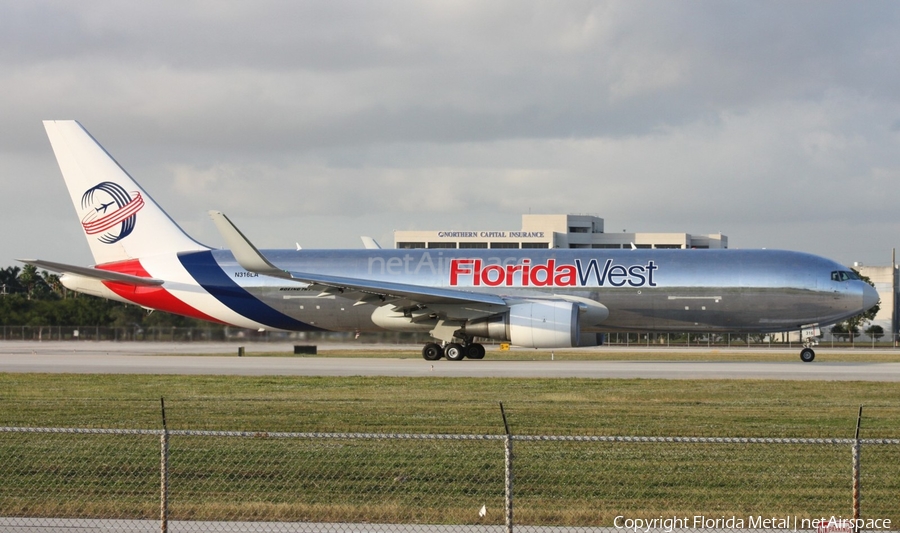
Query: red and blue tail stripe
column 202, row 266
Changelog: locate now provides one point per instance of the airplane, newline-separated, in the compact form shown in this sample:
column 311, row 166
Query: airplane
column 536, row 298
column 103, row 207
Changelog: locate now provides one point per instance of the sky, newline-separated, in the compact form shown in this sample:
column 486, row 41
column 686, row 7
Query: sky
column 776, row 123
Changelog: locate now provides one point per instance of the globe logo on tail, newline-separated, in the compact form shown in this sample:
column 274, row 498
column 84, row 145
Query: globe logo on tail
column 112, row 211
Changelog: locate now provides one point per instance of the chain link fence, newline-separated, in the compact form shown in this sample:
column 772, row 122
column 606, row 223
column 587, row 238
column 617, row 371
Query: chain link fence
column 213, row 333
column 233, row 334
column 157, row 480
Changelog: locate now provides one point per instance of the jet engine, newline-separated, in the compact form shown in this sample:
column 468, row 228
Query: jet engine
column 544, row 324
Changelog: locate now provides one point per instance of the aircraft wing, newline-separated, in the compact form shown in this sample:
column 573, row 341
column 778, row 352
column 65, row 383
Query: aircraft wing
column 395, row 291
column 95, row 273
column 366, row 291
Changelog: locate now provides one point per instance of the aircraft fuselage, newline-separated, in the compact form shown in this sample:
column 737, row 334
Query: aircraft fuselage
column 648, row 290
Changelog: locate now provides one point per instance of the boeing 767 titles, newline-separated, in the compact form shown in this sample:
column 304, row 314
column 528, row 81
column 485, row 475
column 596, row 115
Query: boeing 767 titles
column 551, row 298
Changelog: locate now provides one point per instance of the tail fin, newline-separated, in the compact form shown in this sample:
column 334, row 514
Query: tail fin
column 119, row 219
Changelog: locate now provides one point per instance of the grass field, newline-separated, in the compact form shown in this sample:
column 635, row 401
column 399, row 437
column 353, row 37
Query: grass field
column 455, row 405
column 442, row 481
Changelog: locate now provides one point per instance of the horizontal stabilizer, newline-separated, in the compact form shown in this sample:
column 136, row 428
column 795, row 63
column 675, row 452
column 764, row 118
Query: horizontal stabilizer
column 95, row 273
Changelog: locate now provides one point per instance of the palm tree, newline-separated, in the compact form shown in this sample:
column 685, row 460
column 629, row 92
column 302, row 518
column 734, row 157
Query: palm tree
column 29, row 278
column 55, row 285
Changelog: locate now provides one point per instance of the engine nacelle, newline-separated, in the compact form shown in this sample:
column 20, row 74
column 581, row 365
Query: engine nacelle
column 386, row 317
column 543, row 324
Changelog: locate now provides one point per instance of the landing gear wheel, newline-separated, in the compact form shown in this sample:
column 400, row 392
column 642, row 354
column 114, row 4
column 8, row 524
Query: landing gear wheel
column 475, row 351
column 454, row 352
column 807, row 355
column 432, row 352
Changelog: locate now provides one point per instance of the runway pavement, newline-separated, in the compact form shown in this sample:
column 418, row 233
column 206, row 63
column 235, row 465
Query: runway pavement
column 151, row 358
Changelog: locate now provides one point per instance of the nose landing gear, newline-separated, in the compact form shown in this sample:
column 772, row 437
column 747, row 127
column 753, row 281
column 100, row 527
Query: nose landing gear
column 810, row 335
column 807, row 355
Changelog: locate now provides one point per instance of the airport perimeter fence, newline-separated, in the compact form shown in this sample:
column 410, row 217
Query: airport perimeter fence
column 231, row 334
column 195, row 334
column 158, row 480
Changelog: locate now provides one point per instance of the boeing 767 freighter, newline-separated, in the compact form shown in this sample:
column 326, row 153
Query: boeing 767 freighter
column 552, row 298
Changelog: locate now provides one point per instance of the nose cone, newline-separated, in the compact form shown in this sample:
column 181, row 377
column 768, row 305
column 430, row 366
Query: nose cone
column 870, row 296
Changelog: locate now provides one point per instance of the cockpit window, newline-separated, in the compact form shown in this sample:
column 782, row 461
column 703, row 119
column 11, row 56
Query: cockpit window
column 843, row 275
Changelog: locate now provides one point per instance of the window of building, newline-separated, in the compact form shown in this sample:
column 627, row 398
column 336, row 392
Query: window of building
column 579, row 245
column 535, row 245
column 409, row 245
column 442, row 245
column 574, row 229
column 504, row 245
column 606, row 246
column 473, row 245
column 668, row 246
column 643, row 246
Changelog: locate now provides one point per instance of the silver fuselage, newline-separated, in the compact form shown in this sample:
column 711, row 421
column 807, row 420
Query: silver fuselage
column 644, row 289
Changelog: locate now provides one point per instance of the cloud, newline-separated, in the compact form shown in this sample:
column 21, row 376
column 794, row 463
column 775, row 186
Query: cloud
column 771, row 122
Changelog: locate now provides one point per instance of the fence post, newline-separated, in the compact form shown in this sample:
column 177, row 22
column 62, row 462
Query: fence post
column 163, row 473
column 856, row 454
column 508, row 457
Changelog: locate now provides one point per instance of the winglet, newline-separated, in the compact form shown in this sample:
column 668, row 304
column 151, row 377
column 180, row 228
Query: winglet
column 244, row 252
column 370, row 244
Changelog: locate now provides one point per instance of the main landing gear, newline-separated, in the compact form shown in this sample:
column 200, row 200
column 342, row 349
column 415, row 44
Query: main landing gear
column 453, row 351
